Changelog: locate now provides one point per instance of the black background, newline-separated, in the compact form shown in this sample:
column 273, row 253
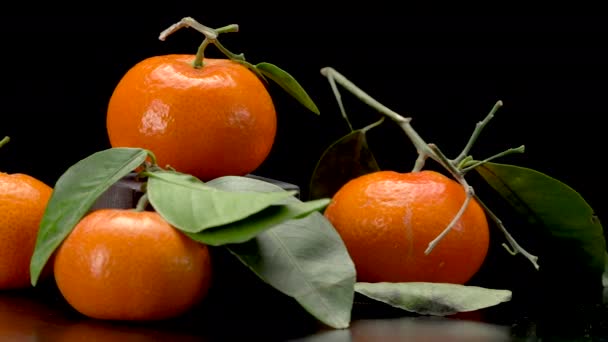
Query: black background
column 445, row 71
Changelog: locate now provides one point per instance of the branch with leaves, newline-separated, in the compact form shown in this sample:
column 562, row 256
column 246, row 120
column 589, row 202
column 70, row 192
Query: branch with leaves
column 263, row 70
column 457, row 167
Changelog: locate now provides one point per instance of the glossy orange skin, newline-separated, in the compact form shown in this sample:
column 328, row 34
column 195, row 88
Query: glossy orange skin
column 126, row 265
column 209, row 122
column 387, row 220
column 23, row 200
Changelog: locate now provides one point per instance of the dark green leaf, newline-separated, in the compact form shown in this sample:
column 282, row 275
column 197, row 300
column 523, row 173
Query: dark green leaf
column 303, row 258
column 288, row 83
column 347, row 158
column 75, row 193
column 605, row 274
column 193, row 206
column 251, row 226
column 549, row 203
column 438, row 299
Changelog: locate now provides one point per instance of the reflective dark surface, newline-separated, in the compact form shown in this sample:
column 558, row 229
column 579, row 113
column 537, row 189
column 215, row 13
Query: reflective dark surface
column 259, row 313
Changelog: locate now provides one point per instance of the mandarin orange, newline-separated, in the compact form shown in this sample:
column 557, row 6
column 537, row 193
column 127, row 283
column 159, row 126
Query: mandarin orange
column 387, row 219
column 122, row 264
column 209, row 122
column 23, row 200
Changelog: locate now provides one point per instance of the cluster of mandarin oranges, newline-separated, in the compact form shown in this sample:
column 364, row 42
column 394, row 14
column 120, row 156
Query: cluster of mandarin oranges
column 211, row 121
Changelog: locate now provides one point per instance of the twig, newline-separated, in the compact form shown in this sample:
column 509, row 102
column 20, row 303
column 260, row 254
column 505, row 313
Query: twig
column 336, row 91
column 516, row 247
column 469, row 191
column 467, row 199
column 473, row 164
column 478, row 128
column 209, row 33
column 210, row 38
column 432, row 151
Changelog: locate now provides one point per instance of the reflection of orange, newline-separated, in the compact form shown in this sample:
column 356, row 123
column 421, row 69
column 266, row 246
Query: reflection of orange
column 25, row 317
column 23, row 200
column 131, row 265
column 91, row 330
column 387, row 220
column 209, row 122
column 16, row 321
column 476, row 316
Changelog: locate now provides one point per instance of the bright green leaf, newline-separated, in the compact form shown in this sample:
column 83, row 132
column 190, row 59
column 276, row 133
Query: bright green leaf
column 75, row 193
column 347, row 158
column 288, row 83
column 438, row 299
column 251, row 226
column 193, row 206
column 551, row 204
column 303, row 258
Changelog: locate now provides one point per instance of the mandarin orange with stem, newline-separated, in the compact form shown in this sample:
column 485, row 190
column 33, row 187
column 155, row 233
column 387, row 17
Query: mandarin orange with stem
column 387, row 220
column 23, row 200
column 208, row 117
column 131, row 265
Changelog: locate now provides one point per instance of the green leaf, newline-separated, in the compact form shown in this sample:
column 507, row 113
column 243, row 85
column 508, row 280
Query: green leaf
column 547, row 202
column 303, row 258
column 288, row 83
column 193, row 206
column 605, row 274
column 75, row 193
column 347, row 158
column 437, row 299
column 251, row 226
column 237, row 183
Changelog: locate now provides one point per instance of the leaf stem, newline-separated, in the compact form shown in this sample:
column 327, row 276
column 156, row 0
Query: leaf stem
column 372, row 125
column 478, row 128
column 152, row 156
column 227, row 29
column 466, row 161
column 142, row 203
column 4, row 140
column 228, row 53
column 466, row 167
